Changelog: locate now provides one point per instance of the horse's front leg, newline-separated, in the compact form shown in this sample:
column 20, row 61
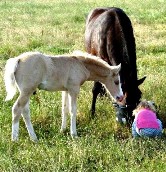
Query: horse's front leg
column 73, row 112
column 65, row 110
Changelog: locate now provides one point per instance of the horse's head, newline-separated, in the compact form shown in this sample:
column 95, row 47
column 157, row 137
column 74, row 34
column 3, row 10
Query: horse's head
column 131, row 99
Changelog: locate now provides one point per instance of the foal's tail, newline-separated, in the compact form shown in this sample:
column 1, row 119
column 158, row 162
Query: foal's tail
column 9, row 77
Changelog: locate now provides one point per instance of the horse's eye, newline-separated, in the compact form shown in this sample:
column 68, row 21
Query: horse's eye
column 116, row 82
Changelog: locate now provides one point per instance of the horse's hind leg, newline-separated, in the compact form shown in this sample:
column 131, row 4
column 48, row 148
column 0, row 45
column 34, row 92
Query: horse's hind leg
column 97, row 88
column 16, row 113
column 27, row 120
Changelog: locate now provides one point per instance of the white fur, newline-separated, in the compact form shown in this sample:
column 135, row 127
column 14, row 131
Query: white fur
column 67, row 73
column 9, row 77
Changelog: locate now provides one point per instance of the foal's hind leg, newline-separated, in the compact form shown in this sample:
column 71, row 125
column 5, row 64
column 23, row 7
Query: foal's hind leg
column 16, row 113
column 27, row 120
column 65, row 109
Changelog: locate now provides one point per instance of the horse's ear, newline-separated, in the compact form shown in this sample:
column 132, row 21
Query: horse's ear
column 140, row 81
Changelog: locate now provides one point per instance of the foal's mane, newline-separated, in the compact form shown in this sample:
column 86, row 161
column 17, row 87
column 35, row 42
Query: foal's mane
column 84, row 57
column 90, row 59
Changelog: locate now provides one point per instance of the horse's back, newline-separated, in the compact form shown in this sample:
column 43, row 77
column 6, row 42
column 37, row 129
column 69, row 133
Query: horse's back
column 108, row 32
column 109, row 35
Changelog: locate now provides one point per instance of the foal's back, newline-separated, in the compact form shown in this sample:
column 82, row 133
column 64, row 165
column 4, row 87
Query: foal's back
column 51, row 73
column 30, row 70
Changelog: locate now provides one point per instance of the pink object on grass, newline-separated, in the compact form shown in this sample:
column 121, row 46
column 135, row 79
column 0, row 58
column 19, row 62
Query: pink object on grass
column 146, row 119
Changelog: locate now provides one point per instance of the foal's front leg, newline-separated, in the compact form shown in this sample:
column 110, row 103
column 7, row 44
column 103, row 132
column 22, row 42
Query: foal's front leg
column 65, row 110
column 73, row 112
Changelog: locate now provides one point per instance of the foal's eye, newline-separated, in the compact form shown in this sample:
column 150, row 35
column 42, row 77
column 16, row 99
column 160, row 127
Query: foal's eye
column 116, row 82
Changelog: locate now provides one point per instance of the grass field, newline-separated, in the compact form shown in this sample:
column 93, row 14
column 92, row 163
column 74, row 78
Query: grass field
column 57, row 27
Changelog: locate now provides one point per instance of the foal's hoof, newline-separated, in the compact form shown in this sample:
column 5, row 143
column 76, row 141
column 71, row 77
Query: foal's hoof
column 63, row 131
column 74, row 136
column 14, row 140
column 35, row 140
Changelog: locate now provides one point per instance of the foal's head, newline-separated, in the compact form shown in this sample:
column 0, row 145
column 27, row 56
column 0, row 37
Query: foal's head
column 113, row 83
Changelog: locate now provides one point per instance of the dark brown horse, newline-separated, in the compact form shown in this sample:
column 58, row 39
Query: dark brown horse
column 109, row 35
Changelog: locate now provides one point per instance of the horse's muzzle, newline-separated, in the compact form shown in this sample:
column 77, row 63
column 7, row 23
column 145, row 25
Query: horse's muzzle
column 120, row 113
column 123, row 114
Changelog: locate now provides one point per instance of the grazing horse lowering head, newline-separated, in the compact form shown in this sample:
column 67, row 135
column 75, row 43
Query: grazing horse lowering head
column 109, row 35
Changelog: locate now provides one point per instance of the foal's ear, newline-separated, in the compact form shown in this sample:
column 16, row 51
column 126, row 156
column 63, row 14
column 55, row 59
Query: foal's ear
column 116, row 69
column 140, row 81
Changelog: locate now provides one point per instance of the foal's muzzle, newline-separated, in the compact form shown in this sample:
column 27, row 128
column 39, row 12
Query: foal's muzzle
column 119, row 98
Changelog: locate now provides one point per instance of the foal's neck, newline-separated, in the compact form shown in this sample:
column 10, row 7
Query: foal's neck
column 97, row 72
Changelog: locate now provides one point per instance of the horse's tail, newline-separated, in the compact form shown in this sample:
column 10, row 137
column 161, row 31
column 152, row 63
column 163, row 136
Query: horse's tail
column 9, row 77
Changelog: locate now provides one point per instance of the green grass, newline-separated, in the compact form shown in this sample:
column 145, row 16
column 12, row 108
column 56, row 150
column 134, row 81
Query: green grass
column 57, row 27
